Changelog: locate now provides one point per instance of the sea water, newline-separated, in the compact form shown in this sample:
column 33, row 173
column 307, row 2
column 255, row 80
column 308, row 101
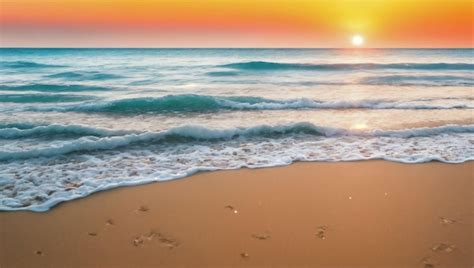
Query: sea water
column 78, row 121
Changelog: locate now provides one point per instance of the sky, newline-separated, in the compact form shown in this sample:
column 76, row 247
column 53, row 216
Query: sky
column 236, row 23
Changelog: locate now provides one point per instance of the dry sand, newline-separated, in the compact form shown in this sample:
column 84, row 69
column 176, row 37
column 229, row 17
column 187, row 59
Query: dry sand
column 366, row 214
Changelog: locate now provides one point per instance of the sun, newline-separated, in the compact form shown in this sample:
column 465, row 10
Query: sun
column 357, row 40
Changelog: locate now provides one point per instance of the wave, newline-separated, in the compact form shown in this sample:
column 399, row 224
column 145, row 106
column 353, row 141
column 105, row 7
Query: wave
column 190, row 133
column 18, row 131
column 207, row 104
column 52, row 88
column 42, row 98
column 82, row 76
column 20, row 125
column 275, row 66
column 413, row 80
column 144, row 82
column 220, row 74
column 166, row 104
column 26, row 186
column 26, row 65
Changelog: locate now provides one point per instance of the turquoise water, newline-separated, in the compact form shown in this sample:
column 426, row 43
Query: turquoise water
column 76, row 121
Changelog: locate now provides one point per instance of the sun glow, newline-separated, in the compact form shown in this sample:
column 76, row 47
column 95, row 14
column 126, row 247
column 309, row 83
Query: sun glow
column 357, row 40
column 359, row 126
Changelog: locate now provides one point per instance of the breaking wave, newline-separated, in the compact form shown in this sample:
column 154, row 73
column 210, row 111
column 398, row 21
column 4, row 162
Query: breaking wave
column 207, row 104
column 17, row 131
column 191, row 133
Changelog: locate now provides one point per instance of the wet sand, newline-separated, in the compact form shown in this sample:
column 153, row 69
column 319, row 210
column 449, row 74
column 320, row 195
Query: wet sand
column 366, row 214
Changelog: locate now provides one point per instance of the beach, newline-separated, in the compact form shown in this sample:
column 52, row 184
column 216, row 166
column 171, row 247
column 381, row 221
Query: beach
column 168, row 157
column 236, row 133
column 344, row 214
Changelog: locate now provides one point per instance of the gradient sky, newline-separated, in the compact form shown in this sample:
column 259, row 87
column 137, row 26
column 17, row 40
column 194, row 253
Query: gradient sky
column 235, row 23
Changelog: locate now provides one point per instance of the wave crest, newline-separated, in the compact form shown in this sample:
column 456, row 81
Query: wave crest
column 198, row 133
column 83, row 76
column 17, row 131
column 275, row 66
column 26, row 65
column 206, row 104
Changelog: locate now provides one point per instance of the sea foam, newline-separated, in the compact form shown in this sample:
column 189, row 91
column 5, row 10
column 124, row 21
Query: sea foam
column 192, row 133
column 39, row 179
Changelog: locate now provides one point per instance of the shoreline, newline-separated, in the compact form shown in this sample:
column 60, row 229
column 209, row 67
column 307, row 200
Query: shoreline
column 109, row 188
column 368, row 213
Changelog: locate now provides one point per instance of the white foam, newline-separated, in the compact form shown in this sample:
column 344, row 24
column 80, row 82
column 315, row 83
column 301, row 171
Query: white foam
column 38, row 183
column 86, row 144
column 305, row 103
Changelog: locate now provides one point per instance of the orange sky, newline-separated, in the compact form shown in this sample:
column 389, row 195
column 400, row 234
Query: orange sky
column 236, row 23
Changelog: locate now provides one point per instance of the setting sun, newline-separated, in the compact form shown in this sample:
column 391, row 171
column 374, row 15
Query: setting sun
column 357, row 40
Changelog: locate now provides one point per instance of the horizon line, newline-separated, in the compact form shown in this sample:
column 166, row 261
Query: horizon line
column 349, row 48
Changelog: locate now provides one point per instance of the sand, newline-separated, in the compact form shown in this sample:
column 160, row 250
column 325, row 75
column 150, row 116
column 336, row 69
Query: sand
column 366, row 214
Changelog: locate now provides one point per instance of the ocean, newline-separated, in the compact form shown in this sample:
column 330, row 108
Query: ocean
column 77, row 121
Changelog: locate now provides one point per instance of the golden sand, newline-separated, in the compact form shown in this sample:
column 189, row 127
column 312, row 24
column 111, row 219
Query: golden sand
column 366, row 214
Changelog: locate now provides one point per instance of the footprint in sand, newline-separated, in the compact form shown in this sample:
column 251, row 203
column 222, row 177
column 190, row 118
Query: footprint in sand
column 244, row 255
column 39, row 253
column 446, row 221
column 140, row 240
column 232, row 208
column 143, row 209
column 162, row 239
column 321, row 232
column 110, row 222
column 264, row 236
column 167, row 242
column 92, row 234
column 428, row 262
column 443, row 247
